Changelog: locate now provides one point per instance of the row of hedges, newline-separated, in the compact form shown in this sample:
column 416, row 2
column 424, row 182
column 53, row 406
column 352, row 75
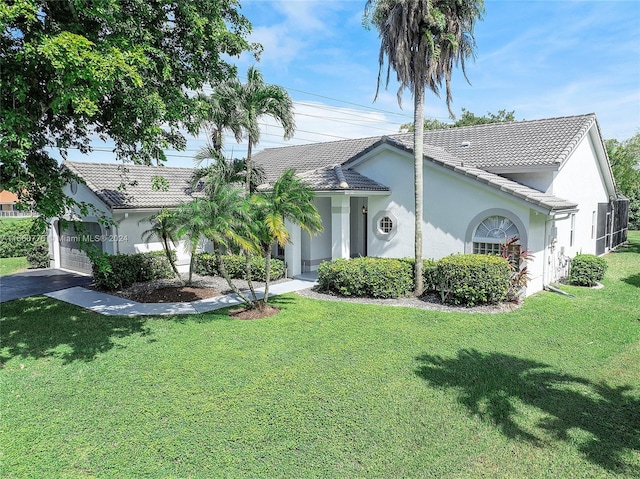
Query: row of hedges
column 234, row 264
column 460, row 279
column 125, row 269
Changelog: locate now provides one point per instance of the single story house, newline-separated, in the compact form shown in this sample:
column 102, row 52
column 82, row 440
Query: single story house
column 547, row 182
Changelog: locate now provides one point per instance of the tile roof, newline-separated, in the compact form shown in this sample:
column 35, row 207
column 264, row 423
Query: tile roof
column 441, row 157
column 130, row 186
column 332, row 178
column 518, row 144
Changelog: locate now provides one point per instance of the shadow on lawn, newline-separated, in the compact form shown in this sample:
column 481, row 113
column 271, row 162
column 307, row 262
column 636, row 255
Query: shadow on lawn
column 492, row 384
column 633, row 280
column 40, row 327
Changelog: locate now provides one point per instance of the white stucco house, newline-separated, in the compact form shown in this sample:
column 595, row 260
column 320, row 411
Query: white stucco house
column 547, row 182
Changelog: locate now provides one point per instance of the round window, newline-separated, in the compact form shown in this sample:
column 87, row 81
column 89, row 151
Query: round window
column 386, row 225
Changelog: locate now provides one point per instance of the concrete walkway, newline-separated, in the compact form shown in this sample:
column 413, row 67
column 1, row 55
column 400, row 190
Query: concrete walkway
column 115, row 306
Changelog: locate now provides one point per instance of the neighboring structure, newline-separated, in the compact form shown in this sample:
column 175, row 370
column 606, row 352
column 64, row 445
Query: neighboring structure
column 8, row 205
column 546, row 182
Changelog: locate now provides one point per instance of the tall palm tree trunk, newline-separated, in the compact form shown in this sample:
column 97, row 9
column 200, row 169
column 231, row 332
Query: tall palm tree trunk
column 267, row 275
column 167, row 252
column 249, row 166
column 249, row 273
column 418, row 148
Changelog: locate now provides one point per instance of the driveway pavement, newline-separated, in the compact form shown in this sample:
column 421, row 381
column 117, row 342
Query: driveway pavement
column 38, row 281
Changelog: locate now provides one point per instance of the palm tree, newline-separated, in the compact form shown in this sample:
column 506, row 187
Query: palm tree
column 164, row 227
column 192, row 220
column 422, row 40
column 257, row 99
column 227, row 218
column 289, row 199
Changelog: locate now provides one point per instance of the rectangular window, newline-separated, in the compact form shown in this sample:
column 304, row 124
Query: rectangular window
column 496, row 249
column 572, row 234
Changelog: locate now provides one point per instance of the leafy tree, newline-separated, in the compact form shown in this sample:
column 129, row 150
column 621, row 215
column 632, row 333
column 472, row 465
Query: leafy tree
column 289, row 199
column 422, row 40
column 72, row 71
column 466, row 119
column 164, row 227
column 625, row 163
column 257, row 99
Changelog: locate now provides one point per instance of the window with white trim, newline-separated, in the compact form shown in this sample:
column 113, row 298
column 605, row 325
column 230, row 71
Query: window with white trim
column 572, row 233
column 494, row 232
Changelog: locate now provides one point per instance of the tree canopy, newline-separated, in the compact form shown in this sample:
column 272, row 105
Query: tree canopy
column 467, row 118
column 74, row 71
column 625, row 163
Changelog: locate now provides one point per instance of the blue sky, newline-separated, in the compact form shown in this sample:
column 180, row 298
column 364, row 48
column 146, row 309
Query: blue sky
column 539, row 58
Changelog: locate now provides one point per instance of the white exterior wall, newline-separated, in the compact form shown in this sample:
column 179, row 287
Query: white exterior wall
column 128, row 235
column 580, row 181
column 318, row 248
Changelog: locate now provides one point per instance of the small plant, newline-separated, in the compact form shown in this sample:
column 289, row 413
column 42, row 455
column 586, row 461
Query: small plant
column 471, row 279
column 586, row 270
column 235, row 265
column 38, row 255
column 518, row 258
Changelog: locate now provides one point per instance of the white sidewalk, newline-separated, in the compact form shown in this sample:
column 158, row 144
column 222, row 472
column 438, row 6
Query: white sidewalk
column 115, row 306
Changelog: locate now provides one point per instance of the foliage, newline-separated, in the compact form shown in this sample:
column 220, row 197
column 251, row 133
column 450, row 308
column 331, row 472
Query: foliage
column 367, row 277
column 430, row 275
column 422, row 41
column 38, row 255
column 466, row 119
column 586, row 270
column 207, row 264
column 256, row 99
column 288, row 199
column 518, row 258
column 126, row 269
column 471, row 279
column 625, row 163
column 18, row 236
column 164, row 227
column 111, row 69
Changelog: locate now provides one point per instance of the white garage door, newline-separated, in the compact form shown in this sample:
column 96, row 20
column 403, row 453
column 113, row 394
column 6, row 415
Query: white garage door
column 71, row 257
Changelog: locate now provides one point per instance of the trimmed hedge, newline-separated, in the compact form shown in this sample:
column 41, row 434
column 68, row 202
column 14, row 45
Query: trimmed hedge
column 367, row 277
column 207, row 265
column 470, row 279
column 127, row 269
column 17, row 238
column 586, row 270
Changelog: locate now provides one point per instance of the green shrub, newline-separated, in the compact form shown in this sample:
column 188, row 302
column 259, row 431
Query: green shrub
column 471, row 279
column 17, row 237
column 38, row 255
column 367, row 277
column 586, row 270
column 124, row 270
column 430, row 275
column 235, row 265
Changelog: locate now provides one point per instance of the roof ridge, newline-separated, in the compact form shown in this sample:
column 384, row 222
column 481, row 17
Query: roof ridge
column 126, row 165
column 571, row 146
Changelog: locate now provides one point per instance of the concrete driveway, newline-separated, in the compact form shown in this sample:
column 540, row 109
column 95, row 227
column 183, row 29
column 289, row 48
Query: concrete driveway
column 38, row 281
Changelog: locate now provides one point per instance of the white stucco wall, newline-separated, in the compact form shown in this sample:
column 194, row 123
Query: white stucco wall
column 317, row 248
column 580, row 180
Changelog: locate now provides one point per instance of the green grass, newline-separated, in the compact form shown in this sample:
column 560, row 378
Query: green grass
column 328, row 389
column 13, row 265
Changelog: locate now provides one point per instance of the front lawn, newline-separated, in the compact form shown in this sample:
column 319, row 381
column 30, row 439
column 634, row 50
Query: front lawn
column 328, row 389
column 13, row 265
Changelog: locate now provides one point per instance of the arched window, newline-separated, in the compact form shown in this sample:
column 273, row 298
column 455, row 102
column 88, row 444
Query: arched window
column 493, row 232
